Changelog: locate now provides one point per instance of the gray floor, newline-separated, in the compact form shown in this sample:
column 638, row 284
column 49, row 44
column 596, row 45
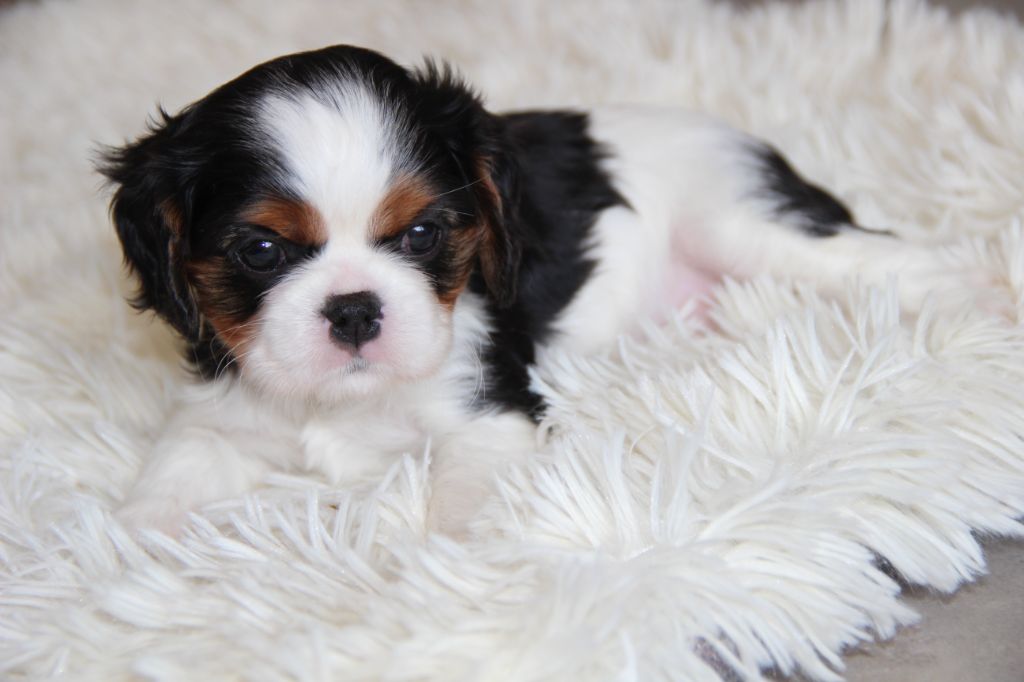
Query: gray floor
column 975, row 635
column 1010, row 7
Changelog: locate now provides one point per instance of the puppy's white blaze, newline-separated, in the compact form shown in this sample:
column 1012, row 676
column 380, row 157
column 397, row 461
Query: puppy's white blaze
column 341, row 152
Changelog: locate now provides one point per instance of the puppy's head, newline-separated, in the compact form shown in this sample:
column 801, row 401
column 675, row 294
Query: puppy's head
column 313, row 222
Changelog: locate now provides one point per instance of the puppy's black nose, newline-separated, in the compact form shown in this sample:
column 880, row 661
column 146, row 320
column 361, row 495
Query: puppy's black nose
column 354, row 318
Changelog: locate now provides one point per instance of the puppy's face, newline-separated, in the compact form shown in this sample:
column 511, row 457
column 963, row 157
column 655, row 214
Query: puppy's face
column 312, row 223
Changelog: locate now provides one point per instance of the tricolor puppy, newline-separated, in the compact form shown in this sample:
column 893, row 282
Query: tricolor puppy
column 362, row 260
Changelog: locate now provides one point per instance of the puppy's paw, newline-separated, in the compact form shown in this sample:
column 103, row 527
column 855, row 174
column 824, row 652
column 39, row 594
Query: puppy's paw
column 935, row 278
column 452, row 508
column 163, row 514
column 988, row 293
column 962, row 290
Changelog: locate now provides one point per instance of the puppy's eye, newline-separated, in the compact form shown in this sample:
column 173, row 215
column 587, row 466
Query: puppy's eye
column 421, row 240
column 261, row 255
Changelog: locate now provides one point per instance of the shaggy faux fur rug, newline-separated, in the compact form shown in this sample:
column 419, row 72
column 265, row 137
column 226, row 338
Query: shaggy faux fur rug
column 703, row 504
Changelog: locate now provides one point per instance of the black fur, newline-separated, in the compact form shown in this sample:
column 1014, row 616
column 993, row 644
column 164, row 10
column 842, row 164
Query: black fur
column 553, row 195
column 143, row 213
column 817, row 212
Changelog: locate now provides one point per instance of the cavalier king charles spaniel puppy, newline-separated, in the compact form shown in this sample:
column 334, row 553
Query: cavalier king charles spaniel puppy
column 363, row 262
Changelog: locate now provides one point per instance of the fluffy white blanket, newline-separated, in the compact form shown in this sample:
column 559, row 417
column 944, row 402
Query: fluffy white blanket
column 703, row 502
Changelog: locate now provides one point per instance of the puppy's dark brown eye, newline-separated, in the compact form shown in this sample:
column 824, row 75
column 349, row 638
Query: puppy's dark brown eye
column 261, row 256
column 421, row 240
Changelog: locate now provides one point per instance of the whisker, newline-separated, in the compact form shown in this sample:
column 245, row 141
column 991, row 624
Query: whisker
column 457, row 189
column 230, row 357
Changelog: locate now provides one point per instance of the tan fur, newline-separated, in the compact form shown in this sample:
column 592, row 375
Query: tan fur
column 296, row 221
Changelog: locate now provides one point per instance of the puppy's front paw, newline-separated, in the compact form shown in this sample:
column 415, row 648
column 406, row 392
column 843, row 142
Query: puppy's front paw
column 453, row 507
column 166, row 515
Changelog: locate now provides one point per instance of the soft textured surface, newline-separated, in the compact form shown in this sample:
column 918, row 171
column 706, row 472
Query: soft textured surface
column 699, row 498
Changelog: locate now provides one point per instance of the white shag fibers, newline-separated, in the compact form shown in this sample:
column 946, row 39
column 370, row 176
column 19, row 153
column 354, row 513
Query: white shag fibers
column 700, row 498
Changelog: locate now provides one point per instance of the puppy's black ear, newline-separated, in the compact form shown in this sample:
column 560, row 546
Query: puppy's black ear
column 150, row 215
column 449, row 108
column 501, row 247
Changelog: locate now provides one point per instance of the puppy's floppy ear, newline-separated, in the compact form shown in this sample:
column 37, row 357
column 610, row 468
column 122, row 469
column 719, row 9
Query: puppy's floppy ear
column 150, row 214
column 475, row 138
column 501, row 247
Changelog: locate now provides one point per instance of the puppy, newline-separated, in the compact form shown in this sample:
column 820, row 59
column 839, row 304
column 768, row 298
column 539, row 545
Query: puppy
column 362, row 260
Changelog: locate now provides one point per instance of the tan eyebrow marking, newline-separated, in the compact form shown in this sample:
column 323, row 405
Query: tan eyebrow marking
column 296, row 221
column 403, row 203
column 407, row 199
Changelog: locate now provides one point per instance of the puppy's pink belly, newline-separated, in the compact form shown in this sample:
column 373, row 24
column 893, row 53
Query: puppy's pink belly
column 688, row 276
column 685, row 283
column 681, row 284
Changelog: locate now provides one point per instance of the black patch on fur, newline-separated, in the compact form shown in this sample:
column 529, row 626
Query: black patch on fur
column 147, row 223
column 816, row 212
column 553, row 188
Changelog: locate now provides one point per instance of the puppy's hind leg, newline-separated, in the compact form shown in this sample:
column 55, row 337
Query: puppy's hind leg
column 787, row 227
column 720, row 202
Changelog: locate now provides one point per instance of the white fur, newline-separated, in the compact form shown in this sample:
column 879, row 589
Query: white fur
column 726, row 488
column 225, row 436
column 340, row 155
column 292, row 354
